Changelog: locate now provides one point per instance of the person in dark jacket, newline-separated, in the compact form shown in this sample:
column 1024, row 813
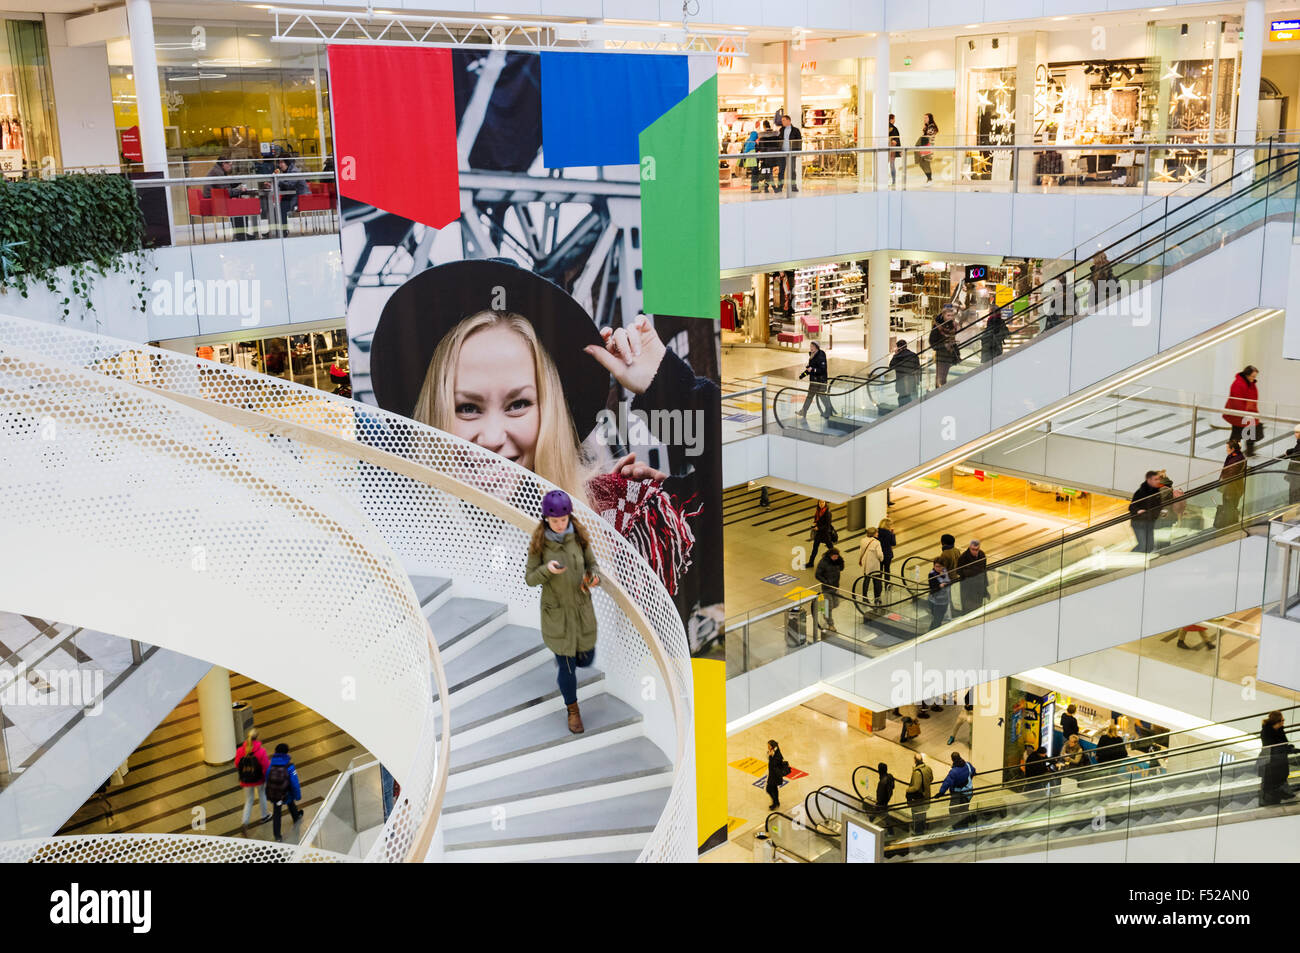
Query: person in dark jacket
column 828, row 574
column 948, row 554
column 972, row 566
column 1110, row 746
column 895, row 149
column 560, row 560
column 888, row 541
column 1232, row 486
column 1036, row 768
column 918, row 792
column 992, row 337
column 1293, row 468
column 1069, row 724
column 823, row 530
column 1242, row 407
column 1144, row 510
column 960, row 785
column 943, row 342
column 1274, row 760
column 789, row 141
column 282, row 787
column 907, row 372
column 777, row 769
column 940, row 596
column 884, row 788
column 817, row 375
column 768, row 142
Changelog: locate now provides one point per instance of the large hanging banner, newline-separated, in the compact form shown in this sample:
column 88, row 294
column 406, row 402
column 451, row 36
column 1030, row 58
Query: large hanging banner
column 498, row 272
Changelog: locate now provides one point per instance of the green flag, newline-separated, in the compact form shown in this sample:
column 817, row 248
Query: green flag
column 679, row 208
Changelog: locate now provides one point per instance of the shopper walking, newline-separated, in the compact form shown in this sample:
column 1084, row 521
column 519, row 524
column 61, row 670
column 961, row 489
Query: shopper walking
column 823, row 530
column 929, row 129
column 943, row 341
column 972, row 571
column 1232, row 486
column 1274, row 761
column 871, row 557
column 907, row 372
column 939, row 594
column 1242, row 408
column 560, row 560
column 817, row 376
column 960, row 785
column 963, row 722
column 993, row 336
column 828, row 574
column 282, row 787
column 1144, row 510
column 251, row 761
column 1293, row 469
column 888, row 540
column 895, row 145
column 884, row 788
column 918, row 792
column 790, row 141
column 1102, row 278
column 768, row 142
column 750, row 164
column 777, row 769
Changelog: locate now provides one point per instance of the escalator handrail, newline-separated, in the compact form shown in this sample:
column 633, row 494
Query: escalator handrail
column 826, row 790
column 1290, row 165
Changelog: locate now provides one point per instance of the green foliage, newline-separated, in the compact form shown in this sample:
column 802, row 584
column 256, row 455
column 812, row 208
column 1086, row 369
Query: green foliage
column 89, row 224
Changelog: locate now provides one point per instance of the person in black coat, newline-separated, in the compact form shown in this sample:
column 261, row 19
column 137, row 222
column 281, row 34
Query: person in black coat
column 1274, row 761
column 1069, row 724
column 907, row 372
column 768, row 142
column 789, row 140
column 777, row 769
column 1144, row 510
column 972, row 566
column 1036, row 768
column 823, row 530
column 995, row 332
column 943, row 342
column 1110, row 746
column 1293, row 468
column 828, row 574
column 817, row 376
column 884, row 788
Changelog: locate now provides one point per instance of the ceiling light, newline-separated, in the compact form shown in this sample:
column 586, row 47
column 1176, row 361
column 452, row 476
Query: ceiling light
column 1058, row 19
column 498, row 16
column 1159, row 9
column 971, row 26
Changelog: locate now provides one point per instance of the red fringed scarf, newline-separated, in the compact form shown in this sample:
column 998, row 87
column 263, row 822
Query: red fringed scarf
column 650, row 519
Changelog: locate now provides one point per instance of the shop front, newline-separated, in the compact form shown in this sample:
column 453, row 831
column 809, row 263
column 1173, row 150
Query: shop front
column 28, row 134
column 313, row 356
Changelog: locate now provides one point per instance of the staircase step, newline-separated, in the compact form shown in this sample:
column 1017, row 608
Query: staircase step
column 504, row 647
column 457, row 618
column 428, row 588
column 600, row 714
column 616, row 817
column 534, row 687
column 636, row 758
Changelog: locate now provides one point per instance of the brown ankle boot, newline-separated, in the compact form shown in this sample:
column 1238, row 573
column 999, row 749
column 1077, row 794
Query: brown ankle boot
column 575, row 719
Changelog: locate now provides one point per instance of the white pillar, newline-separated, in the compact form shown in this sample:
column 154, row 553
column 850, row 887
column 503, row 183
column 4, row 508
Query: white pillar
column 148, row 95
column 216, row 721
column 878, row 348
column 793, row 92
column 1252, row 63
column 880, row 111
column 877, row 507
column 987, row 724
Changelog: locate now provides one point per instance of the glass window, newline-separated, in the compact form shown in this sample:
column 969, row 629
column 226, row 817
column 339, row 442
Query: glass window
column 28, row 133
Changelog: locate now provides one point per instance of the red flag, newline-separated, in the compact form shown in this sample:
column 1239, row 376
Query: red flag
column 395, row 130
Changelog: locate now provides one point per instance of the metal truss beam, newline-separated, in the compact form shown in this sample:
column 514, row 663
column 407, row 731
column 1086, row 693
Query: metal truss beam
column 368, row 28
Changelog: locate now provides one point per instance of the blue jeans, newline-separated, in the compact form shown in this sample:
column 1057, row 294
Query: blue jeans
column 1145, row 531
column 386, row 787
column 566, row 667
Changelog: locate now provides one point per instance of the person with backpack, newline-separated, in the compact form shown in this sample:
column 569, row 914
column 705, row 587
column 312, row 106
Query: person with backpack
column 918, row 792
column 829, row 568
column 884, row 788
column 777, row 769
column 282, row 787
column 252, row 761
column 960, row 784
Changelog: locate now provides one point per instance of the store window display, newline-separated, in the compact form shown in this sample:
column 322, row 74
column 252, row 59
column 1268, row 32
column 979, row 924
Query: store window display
column 986, row 106
column 28, row 134
column 316, row 359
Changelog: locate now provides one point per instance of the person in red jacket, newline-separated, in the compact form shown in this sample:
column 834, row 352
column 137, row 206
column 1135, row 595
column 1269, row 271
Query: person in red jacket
column 1244, row 397
column 252, row 761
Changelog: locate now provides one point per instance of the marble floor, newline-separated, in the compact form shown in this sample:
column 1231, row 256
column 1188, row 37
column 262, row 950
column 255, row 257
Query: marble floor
column 829, row 750
column 169, row 788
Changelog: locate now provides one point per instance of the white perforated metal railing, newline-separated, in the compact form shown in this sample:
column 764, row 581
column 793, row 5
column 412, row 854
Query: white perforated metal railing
column 446, row 507
column 132, row 514
column 158, row 849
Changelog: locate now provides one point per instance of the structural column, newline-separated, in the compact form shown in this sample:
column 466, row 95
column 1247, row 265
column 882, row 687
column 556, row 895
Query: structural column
column 148, row 95
column 1252, row 63
column 878, row 306
column 879, row 130
column 216, row 721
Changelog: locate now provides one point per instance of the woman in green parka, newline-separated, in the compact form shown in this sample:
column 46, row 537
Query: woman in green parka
column 561, row 562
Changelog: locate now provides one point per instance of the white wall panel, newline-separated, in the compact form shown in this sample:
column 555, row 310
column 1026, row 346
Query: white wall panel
column 1033, row 382
column 812, row 225
column 314, row 279
column 995, row 10
column 906, row 15
column 1101, row 616
column 876, row 456
column 961, row 409
column 926, row 220
column 1201, row 298
column 258, row 269
column 783, row 457
column 829, row 14
column 855, row 221
column 731, row 235
column 767, row 231
column 1094, row 214
column 1041, row 222
column 1182, row 847
column 1115, row 668
column 1199, row 587
column 1279, row 651
column 956, row 12
column 983, row 223
column 783, row 12
column 1025, row 640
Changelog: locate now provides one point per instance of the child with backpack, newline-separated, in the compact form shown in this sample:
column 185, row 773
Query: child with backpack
column 251, row 761
column 282, row 787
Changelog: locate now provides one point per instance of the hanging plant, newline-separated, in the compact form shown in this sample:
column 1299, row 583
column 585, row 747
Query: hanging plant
column 89, row 224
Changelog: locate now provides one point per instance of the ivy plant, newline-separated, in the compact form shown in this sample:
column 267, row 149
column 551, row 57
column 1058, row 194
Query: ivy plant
column 89, row 224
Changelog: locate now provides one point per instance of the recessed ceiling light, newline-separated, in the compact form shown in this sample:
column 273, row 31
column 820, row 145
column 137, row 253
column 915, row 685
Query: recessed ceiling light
column 971, row 26
column 1060, row 18
column 1159, row 9
column 665, row 24
column 498, row 16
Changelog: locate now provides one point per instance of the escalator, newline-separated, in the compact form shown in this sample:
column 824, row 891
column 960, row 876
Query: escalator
column 1064, row 331
column 1168, row 784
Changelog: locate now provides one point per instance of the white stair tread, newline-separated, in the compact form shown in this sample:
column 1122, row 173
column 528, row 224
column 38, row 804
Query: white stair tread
column 636, row 757
column 602, row 713
column 613, row 857
column 508, row 644
column 427, row 588
column 629, row 814
column 531, row 688
column 458, row 617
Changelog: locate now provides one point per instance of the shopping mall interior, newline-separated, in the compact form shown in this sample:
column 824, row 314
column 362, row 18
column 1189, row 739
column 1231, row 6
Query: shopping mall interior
column 830, row 338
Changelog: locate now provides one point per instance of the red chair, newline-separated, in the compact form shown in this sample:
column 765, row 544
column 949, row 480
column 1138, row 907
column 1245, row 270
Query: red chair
column 200, row 207
column 316, row 202
column 223, row 206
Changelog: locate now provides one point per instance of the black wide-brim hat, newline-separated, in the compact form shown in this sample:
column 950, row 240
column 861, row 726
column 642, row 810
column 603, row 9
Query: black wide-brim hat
column 424, row 310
